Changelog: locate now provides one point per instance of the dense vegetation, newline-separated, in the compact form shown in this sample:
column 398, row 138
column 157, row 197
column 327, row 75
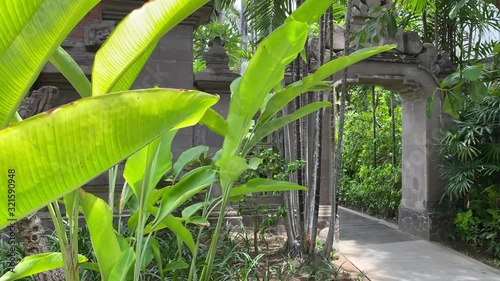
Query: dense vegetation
column 371, row 179
column 471, row 162
column 190, row 250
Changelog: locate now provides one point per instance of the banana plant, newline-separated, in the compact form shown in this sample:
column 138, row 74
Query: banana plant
column 70, row 145
column 253, row 92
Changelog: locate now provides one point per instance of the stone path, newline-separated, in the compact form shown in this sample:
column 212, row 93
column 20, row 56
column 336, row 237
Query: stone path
column 385, row 254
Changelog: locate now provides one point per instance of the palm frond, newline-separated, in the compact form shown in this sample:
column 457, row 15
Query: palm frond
column 266, row 15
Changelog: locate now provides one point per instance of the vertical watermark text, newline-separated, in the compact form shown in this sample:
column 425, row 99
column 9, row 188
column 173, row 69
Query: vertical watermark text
column 11, row 211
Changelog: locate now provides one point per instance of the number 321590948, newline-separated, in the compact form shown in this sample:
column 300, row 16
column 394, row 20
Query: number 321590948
column 11, row 190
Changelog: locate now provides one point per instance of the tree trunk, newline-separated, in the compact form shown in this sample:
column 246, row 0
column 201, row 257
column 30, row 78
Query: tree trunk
column 393, row 129
column 287, row 195
column 31, row 234
column 338, row 156
column 318, row 129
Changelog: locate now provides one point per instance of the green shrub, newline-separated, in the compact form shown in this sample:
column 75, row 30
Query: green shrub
column 376, row 191
column 471, row 165
column 371, row 183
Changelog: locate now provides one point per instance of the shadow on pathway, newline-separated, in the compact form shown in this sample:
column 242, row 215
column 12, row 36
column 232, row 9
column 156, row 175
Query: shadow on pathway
column 384, row 253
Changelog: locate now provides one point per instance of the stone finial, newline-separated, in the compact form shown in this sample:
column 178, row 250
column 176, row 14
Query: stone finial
column 217, row 76
column 217, row 56
column 97, row 32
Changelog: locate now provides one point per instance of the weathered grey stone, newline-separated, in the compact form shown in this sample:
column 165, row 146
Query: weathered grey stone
column 323, row 234
column 434, row 223
column 313, row 55
column 338, row 37
column 279, row 229
column 429, row 58
column 445, row 65
column 97, row 32
column 408, row 42
column 38, row 101
column 216, row 77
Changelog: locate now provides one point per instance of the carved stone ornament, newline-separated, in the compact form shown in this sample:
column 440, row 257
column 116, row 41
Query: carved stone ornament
column 435, row 60
column 97, row 32
column 216, row 56
column 408, row 42
column 40, row 100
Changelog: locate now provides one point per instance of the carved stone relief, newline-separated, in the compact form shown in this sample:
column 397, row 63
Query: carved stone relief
column 435, row 60
column 97, row 32
column 408, row 42
column 38, row 101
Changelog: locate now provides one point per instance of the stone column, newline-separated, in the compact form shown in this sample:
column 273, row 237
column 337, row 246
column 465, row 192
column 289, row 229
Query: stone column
column 170, row 64
column 420, row 212
column 216, row 78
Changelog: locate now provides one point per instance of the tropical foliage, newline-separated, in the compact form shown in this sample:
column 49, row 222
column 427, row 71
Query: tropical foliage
column 371, row 179
column 70, row 145
column 471, row 163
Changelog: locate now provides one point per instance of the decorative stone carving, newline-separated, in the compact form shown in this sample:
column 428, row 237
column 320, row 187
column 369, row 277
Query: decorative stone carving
column 40, row 100
column 445, row 64
column 435, row 60
column 97, row 32
column 217, row 57
column 217, row 76
column 429, row 58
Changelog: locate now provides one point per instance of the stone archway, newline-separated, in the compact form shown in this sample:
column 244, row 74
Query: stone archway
column 421, row 182
column 412, row 69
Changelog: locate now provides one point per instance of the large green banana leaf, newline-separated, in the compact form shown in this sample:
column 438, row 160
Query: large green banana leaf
column 34, row 264
column 106, row 247
column 264, row 71
column 273, row 125
column 29, row 32
column 55, row 152
column 282, row 98
column 120, row 59
column 310, row 11
column 154, row 160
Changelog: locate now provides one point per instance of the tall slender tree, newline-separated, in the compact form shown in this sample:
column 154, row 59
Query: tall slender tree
column 337, row 164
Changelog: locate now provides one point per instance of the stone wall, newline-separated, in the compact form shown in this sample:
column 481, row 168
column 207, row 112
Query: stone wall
column 170, row 65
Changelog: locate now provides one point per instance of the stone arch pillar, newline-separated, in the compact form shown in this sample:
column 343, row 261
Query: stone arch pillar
column 420, row 212
column 411, row 69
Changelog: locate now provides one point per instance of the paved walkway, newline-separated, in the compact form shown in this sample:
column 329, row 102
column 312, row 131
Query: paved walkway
column 385, row 254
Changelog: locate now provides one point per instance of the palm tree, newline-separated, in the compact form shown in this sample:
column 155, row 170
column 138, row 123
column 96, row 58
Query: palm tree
column 261, row 16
